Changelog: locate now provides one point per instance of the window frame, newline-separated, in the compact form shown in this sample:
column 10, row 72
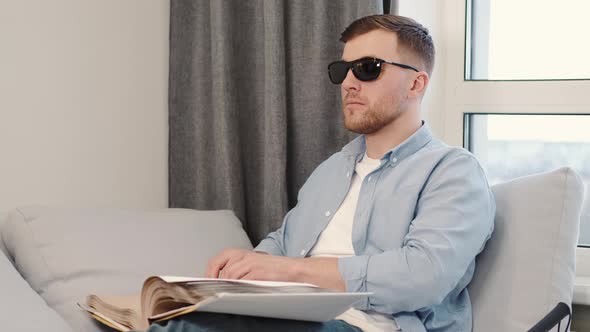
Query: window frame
column 510, row 97
column 476, row 63
column 469, row 136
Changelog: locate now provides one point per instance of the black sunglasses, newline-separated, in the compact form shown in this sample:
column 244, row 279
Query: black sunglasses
column 365, row 69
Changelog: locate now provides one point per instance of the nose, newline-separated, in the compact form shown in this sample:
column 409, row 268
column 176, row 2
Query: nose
column 351, row 82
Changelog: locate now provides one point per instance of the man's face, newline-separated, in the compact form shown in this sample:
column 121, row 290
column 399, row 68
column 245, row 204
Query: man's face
column 371, row 105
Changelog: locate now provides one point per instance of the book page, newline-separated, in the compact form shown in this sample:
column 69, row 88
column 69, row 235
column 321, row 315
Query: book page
column 160, row 295
column 178, row 279
column 104, row 319
column 170, row 296
column 128, row 302
column 125, row 310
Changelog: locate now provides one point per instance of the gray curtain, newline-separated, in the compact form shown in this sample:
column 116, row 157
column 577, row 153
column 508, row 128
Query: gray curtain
column 252, row 111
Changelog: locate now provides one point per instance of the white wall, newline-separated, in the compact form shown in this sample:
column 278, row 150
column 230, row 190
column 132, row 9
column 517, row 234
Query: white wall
column 429, row 14
column 83, row 103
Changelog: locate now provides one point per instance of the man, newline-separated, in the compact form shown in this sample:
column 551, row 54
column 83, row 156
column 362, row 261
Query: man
column 397, row 212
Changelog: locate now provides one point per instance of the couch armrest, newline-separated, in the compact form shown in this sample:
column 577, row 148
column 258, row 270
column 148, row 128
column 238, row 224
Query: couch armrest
column 554, row 318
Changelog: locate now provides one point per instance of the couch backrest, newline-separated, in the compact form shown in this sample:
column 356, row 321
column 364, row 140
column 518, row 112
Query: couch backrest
column 66, row 254
column 3, row 216
column 21, row 308
column 528, row 265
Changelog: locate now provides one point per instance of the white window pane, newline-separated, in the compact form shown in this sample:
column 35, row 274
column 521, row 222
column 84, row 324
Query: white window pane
column 510, row 146
column 528, row 39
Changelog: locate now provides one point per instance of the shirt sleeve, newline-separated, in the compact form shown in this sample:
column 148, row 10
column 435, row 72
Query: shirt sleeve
column 454, row 218
column 274, row 243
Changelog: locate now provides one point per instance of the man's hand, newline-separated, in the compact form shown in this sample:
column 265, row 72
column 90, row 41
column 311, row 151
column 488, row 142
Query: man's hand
column 252, row 265
column 226, row 258
column 261, row 266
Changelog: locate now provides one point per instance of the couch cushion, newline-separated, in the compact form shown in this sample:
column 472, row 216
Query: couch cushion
column 21, row 309
column 2, row 245
column 528, row 264
column 66, row 254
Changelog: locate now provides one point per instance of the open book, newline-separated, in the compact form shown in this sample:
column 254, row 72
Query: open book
column 167, row 297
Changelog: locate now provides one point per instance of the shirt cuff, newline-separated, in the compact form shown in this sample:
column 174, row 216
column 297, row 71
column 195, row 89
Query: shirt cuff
column 353, row 270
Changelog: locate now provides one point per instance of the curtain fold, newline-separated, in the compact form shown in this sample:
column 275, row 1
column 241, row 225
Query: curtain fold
column 252, row 111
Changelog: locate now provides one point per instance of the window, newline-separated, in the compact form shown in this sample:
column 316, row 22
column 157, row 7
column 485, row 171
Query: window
column 483, row 98
column 514, row 145
column 527, row 40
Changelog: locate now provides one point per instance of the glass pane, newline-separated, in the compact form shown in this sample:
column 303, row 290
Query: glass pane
column 509, row 146
column 527, row 39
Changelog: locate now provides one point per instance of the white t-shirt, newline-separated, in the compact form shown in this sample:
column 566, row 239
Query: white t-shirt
column 336, row 241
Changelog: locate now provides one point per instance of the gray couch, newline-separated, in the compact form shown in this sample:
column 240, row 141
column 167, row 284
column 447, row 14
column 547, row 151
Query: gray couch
column 55, row 257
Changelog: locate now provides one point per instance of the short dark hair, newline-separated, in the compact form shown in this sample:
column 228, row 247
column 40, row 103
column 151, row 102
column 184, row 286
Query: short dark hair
column 411, row 35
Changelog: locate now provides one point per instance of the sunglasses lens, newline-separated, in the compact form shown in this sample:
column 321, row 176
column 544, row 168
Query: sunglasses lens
column 337, row 71
column 366, row 69
column 363, row 69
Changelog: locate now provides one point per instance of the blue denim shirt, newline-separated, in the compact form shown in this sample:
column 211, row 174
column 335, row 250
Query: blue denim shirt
column 421, row 218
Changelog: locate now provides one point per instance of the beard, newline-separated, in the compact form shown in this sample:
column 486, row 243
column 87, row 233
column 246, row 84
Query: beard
column 372, row 119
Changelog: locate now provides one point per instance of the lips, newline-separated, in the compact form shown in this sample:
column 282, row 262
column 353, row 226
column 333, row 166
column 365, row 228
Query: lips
column 353, row 102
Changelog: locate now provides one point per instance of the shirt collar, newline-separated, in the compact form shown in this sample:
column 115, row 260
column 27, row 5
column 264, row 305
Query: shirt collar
column 357, row 147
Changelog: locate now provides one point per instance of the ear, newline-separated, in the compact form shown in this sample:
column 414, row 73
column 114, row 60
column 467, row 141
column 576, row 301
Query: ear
column 419, row 84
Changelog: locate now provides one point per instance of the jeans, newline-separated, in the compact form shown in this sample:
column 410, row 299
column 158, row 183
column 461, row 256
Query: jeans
column 214, row 322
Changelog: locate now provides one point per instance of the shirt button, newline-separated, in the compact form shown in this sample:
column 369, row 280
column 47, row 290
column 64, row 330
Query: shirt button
column 302, row 252
column 327, row 213
column 394, row 160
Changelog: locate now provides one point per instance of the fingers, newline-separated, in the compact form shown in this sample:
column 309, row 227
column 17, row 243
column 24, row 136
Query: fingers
column 230, row 262
column 255, row 266
column 223, row 259
column 238, row 269
column 215, row 265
